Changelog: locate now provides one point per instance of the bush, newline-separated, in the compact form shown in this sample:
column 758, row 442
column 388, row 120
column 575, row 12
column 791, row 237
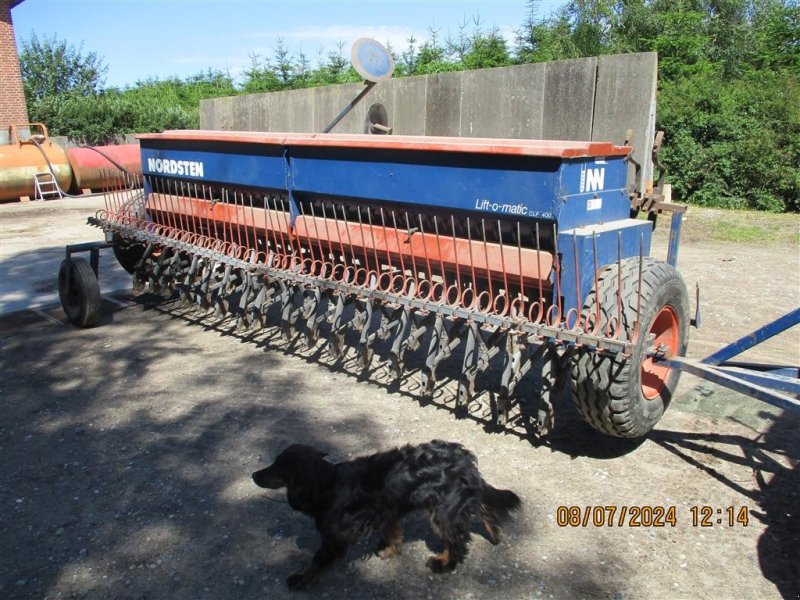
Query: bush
column 734, row 143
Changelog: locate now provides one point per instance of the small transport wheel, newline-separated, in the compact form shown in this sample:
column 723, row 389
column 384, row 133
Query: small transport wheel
column 127, row 253
column 626, row 396
column 80, row 298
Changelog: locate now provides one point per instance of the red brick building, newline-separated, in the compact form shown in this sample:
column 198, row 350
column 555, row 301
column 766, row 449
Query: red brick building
column 12, row 98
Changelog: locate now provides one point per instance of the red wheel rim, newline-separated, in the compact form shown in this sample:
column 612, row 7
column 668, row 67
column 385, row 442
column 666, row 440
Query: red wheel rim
column 666, row 334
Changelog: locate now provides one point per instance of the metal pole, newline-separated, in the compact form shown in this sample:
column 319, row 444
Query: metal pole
column 368, row 85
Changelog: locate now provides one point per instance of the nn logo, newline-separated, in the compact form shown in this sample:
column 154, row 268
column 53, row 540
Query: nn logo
column 593, row 180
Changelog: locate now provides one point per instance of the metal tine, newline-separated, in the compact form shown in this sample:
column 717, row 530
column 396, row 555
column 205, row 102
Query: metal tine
column 474, row 282
column 241, row 222
column 637, row 327
column 213, row 225
column 173, row 201
column 236, row 232
column 340, row 237
column 210, row 231
column 183, row 217
column 191, row 190
column 578, row 296
column 302, row 215
column 177, row 215
column 331, row 250
column 257, row 219
column 521, row 282
column 277, row 232
column 374, row 246
column 198, row 219
column 231, row 237
column 251, row 230
column 398, row 241
column 316, row 234
column 399, row 245
column 488, row 271
column 287, row 247
column 389, row 264
column 439, row 254
column 342, row 254
column 167, row 215
column 224, row 226
column 228, row 223
column 269, row 233
column 415, row 273
column 347, row 231
column 287, row 227
column 221, row 227
column 181, row 198
column 233, row 228
column 455, row 254
column 111, row 199
column 597, row 303
column 618, row 329
column 334, row 256
column 557, row 263
column 273, row 232
column 429, row 272
column 503, row 264
column 175, row 219
column 155, row 198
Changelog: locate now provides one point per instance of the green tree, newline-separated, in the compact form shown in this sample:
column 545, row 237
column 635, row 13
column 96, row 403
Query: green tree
column 486, row 50
column 51, row 66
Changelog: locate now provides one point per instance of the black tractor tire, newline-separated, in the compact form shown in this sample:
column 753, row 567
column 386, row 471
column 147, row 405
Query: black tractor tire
column 625, row 396
column 127, row 253
column 81, row 298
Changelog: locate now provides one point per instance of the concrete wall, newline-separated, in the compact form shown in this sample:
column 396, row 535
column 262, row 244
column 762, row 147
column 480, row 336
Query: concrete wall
column 584, row 99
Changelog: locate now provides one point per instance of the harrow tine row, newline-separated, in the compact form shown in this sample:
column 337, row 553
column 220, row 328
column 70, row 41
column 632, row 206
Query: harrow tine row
column 409, row 280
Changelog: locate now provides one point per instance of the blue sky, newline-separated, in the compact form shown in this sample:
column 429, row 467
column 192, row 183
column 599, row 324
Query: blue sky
column 160, row 38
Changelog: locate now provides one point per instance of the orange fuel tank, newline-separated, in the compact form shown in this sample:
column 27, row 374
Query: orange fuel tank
column 25, row 150
column 97, row 167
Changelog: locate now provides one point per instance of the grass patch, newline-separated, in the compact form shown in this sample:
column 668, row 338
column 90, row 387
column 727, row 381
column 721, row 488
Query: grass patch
column 737, row 226
column 725, row 231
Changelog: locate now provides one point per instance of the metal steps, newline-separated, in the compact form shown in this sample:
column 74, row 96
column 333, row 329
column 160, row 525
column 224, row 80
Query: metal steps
column 46, row 186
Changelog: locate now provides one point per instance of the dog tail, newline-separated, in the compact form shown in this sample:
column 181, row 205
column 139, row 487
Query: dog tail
column 500, row 502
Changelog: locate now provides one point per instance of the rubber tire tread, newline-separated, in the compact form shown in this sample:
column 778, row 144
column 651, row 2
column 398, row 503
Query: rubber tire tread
column 84, row 310
column 606, row 389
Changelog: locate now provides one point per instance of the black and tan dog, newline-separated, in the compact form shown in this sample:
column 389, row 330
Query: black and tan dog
column 351, row 500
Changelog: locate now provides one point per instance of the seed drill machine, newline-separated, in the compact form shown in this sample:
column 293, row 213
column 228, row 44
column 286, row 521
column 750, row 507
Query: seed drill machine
column 525, row 257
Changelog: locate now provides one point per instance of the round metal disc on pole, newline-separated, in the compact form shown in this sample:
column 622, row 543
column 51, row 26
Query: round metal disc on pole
column 371, row 60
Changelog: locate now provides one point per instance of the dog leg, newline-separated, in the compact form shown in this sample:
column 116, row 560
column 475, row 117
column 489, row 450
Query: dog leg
column 323, row 557
column 490, row 524
column 441, row 563
column 492, row 530
column 455, row 535
column 392, row 540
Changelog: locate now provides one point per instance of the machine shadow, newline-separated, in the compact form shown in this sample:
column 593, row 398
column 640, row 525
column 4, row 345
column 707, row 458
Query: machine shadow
column 129, row 483
column 570, row 434
column 773, row 457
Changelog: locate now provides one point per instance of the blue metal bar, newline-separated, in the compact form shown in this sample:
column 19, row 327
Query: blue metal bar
column 770, row 380
column 777, row 326
column 674, row 238
column 784, row 370
column 733, row 382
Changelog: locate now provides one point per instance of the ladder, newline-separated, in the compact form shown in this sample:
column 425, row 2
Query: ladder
column 46, row 186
